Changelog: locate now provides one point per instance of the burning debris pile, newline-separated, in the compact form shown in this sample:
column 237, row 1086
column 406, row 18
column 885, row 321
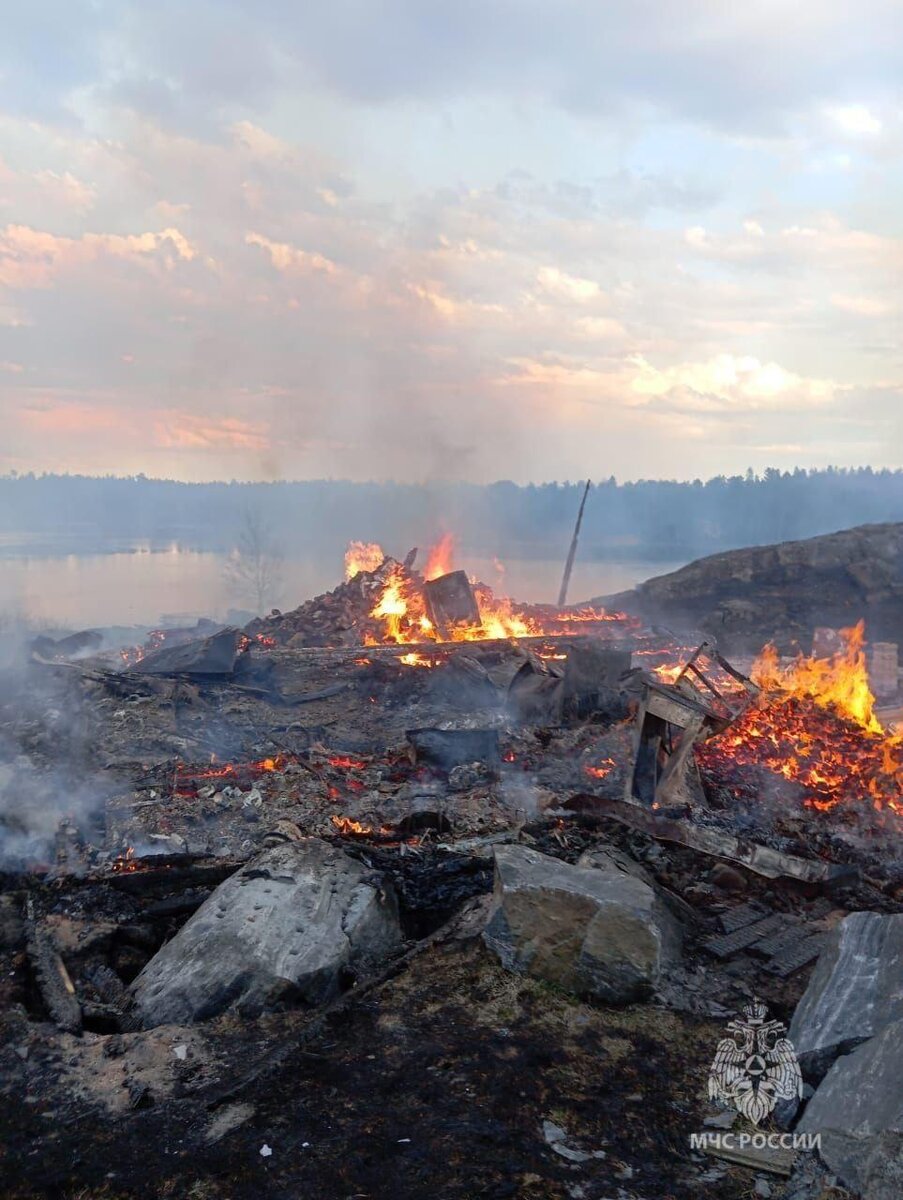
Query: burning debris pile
column 384, row 601
column 815, row 728
column 299, row 847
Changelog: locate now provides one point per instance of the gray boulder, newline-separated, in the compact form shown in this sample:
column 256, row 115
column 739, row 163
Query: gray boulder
column 287, row 926
column 858, row 1111
column 856, row 990
column 598, row 932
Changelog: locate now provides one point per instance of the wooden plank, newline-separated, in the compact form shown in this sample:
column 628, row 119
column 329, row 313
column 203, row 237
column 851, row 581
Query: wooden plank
column 775, row 1161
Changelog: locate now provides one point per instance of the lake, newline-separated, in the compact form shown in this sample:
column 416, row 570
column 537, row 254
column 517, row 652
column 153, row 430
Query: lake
column 143, row 584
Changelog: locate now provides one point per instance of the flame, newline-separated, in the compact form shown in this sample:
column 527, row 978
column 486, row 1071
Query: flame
column 352, row 828
column 839, row 682
column 605, row 767
column 187, row 779
column 417, row 660
column 440, row 558
column 392, row 606
column 362, row 556
column 815, row 726
column 125, row 862
column 668, row 673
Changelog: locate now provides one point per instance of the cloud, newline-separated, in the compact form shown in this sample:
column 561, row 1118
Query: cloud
column 729, row 384
column 855, row 119
column 291, row 259
column 488, row 242
column 185, row 431
column 32, row 258
column 861, row 306
column 569, row 287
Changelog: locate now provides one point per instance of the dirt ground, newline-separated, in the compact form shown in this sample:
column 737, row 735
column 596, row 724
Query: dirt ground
column 436, row 1084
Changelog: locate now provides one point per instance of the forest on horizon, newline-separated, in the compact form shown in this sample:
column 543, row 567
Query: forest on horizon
column 651, row 519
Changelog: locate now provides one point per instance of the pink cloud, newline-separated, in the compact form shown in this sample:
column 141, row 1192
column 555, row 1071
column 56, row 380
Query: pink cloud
column 184, row 431
column 32, row 258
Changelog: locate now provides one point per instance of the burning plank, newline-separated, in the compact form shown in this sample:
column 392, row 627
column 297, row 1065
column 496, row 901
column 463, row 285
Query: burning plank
column 450, row 603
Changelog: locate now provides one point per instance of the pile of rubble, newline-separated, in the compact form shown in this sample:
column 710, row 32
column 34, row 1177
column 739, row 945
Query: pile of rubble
column 485, row 904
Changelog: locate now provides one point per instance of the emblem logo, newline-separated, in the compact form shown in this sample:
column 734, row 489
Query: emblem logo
column 755, row 1067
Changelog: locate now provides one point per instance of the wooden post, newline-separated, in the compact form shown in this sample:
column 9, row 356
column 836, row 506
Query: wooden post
column 572, row 553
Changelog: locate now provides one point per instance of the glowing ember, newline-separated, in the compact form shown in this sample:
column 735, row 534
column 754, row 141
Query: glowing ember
column 668, row 673
column 134, row 654
column 362, row 556
column 187, row 779
column 345, row 825
column 605, row 767
column 417, row 660
column 125, row 862
column 347, row 764
column 815, row 726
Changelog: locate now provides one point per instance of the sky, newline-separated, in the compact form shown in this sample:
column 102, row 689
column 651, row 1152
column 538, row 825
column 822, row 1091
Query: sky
column 495, row 239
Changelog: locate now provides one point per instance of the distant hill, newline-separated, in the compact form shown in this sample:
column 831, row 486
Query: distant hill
column 781, row 592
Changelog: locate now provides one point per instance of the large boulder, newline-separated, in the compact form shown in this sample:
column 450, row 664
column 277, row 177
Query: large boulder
column 782, row 592
column 598, row 932
column 858, row 1111
column 293, row 924
column 855, row 991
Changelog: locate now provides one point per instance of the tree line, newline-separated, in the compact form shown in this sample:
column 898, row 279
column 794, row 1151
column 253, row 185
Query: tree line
column 652, row 519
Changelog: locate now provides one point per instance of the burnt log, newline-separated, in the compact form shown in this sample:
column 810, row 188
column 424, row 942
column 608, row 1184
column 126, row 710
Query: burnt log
column 56, row 989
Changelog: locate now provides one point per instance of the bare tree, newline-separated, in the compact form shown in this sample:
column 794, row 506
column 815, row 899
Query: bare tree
column 255, row 566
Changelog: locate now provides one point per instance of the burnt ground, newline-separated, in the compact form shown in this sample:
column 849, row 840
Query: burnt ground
column 434, row 1083
column 437, row 1084
column 452, row 1052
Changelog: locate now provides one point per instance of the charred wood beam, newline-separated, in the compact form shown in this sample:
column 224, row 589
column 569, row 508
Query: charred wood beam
column 763, row 860
column 56, row 989
column 158, row 880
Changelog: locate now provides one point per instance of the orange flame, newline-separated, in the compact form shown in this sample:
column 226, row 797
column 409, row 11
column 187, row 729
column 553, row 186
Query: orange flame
column 605, row 767
column 362, row 556
column 840, row 682
column 815, row 726
column 440, row 558
column 417, row 660
column 392, row 606
column 355, row 829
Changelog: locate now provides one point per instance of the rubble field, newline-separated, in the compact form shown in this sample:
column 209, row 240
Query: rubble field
column 369, row 900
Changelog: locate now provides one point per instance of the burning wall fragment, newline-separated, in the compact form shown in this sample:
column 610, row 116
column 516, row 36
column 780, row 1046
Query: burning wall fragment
column 673, row 717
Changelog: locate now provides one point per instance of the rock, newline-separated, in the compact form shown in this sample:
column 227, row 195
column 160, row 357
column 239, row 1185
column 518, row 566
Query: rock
column 289, row 925
column 858, row 1110
column 782, row 592
column 615, row 861
column 854, row 991
column 598, row 932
